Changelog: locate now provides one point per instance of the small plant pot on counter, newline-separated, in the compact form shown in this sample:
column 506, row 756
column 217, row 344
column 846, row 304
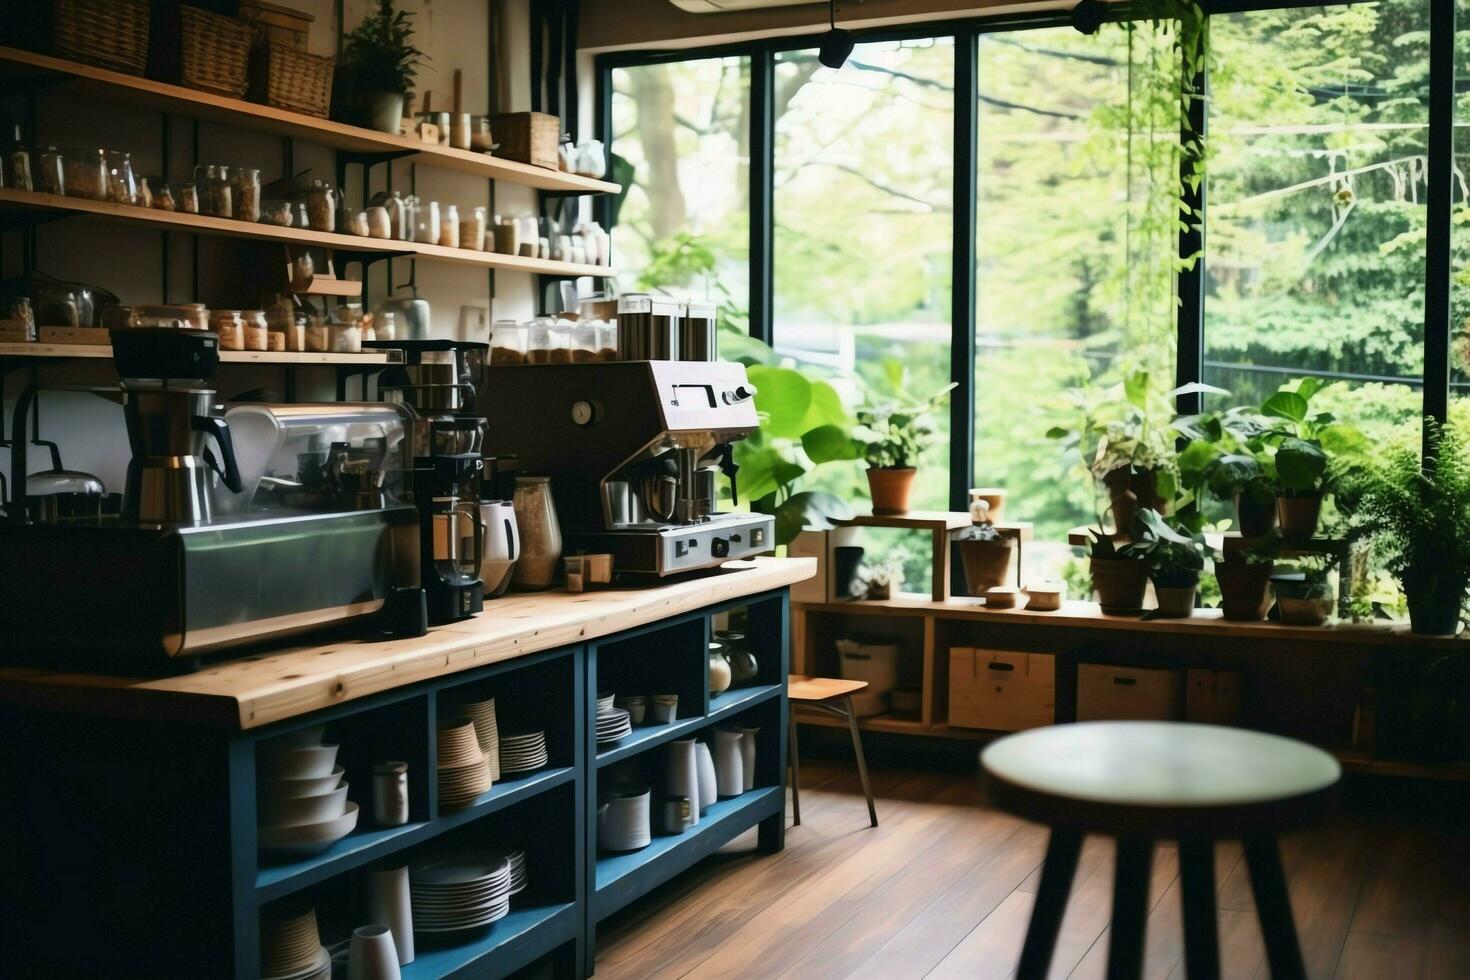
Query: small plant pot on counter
column 1435, row 604
column 1245, row 588
column 1176, row 597
column 1304, row 611
column 890, row 489
column 1254, row 518
column 1298, row 515
column 1120, row 584
column 382, row 111
column 987, row 563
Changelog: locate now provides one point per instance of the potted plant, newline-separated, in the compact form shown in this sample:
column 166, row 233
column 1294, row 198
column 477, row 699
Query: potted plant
column 884, row 579
column 1304, row 595
column 1244, row 575
column 379, row 63
column 1219, row 460
column 1119, row 574
column 1176, row 557
column 892, row 437
column 986, row 555
column 1417, row 515
column 1125, row 440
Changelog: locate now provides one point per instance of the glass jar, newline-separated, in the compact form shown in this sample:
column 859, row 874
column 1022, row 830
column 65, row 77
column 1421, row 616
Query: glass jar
column 230, row 327
column 540, row 533
column 408, row 220
column 359, row 224
column 277, row 213
column 461, row 125
column 507, row 342
column 346, row 338
column 219, row 198
column 163, row 198
column 583, row 336
column 472, row 230
column 303, row 220
column 318, row 334
column 379, row 221
column 507, row 236
column 86, row 174
column 255, row 331
column 428, row 223
column 607, row 340
column 247, row 194
column 15, row 168
column 449, row 226
column 321, row 207
column 545, row 344
column 50, row 177
column 189, row 197
column 122, row 186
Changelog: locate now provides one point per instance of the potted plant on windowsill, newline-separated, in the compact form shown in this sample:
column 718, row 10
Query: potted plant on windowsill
column 892, row 437
column 1312, row 451
column 1417, row 515
column 985, row 553
column 1303, row 593
column 379, row 63
column 1176, row 557
column 883, row 580
column 1219, row 460
column 1244, row 575
column 1119, row 574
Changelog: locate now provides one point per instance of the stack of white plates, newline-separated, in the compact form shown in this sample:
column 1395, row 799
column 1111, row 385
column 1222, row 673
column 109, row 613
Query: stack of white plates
column 459, row 891
column 612, row 723
column 517, row 860
column 291, row 949
column 302, row 796
column 482, row 713
column 523, row 752
column 464, row 772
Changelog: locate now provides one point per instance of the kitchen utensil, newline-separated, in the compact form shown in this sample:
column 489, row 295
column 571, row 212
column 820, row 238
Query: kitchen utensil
column 501, row 547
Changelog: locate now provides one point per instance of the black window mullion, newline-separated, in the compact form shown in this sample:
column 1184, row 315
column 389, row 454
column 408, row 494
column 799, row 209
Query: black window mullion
column 1438, row 266
column 602, row 204
column 762, row 191
column 962, row 289
column 1190, row 346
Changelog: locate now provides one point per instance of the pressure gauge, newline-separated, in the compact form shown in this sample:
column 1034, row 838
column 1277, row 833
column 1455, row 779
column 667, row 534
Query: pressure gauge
column 582, row 412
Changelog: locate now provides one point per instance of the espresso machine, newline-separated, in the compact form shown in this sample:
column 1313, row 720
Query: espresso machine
column 236, row 527
column 435, row 388
column 634, row 450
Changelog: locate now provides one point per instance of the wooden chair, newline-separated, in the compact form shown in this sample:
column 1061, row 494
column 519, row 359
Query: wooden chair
column 834, row 697
column 1141, row 782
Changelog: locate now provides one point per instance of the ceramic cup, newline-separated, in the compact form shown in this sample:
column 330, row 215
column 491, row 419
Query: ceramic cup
column 637, row 707
column 674, row 813
column 662, row 708
column 373, row 955
column 390, row 794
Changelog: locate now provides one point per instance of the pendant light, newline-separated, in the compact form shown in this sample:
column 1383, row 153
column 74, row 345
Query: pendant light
column 836, row 44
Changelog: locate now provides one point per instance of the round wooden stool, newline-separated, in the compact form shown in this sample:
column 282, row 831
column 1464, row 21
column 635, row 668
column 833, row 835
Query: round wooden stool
column 1145, row 781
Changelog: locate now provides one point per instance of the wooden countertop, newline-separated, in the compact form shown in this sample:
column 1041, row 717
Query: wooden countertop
column 269, row 687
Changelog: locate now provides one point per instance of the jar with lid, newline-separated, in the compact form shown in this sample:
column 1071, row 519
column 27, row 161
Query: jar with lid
column 255, row 332
column 247, row 194
column 584, row 340
column 230, row 327
column 449, row 226
column 321, row 207
column 51, row 175
column 507, row 342
column 507, row 236
column 540, row 533
column 428, row 223
column 277, row 213
column 163, row 198
column 86, row 174
column 545, row 344
column 607, row 340
column 122, row 186
column 189, row 197
column 318, row 334
column 346, row 338
column 218, row 195
column 15, row 168
column 408, row 224
column 472, row 230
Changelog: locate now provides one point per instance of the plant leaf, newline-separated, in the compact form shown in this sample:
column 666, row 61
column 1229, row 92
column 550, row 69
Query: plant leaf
column 785, row 396
column 831, row 442
column 1286, row 405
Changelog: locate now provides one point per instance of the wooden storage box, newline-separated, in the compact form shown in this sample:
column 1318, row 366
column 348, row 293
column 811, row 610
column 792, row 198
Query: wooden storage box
column 528, row 137
column 1212, row 697
column 813, row 544
column 1001, row 689
column 1106, row 693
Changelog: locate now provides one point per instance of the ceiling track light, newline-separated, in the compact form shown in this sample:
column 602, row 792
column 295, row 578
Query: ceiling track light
column 836, row 44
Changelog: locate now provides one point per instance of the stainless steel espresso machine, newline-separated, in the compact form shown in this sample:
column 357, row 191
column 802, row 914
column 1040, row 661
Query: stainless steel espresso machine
column 634, row 450
column 236, row 527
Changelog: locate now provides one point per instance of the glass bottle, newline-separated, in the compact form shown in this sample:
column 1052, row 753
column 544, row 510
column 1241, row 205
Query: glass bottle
column 122, row 187
column 321, row 207
column 17, row 165
column 428, row 223
column 247, row 194
column 50, row 177
column 449, row 226
column 540, row 533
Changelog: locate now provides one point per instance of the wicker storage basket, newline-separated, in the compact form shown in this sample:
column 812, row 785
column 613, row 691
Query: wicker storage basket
column 106, row 33
column 280, row 26
column 216, row 52
column 529, row 137
column 286, row 78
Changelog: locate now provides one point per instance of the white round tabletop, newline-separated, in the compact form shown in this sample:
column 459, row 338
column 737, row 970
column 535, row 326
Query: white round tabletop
column 1159, row 764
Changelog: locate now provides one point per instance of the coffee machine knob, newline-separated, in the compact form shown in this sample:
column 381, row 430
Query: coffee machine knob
column 719, row 547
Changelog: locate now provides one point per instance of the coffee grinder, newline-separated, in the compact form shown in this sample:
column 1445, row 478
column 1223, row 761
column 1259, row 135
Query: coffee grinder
column 435, row 383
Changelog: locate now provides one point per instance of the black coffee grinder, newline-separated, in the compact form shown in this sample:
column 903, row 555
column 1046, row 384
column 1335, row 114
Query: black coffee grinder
column 436, row 383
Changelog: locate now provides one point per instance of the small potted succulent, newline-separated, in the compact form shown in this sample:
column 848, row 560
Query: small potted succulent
column 986, row 555
column 1244, row 575
column 379, row 63
column 892, row 437
column 884, row 579
column 1304, row 595
column 1119, row 574
column 1176, row 557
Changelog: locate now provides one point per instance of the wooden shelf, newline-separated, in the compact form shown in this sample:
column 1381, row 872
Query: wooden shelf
column 511, row 943
column 207, row 107
column 34, row 202
column 645, row 737
column 225, row 356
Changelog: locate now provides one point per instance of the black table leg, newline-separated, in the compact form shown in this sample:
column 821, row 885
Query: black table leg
column 1051, row 901
column 1201, row 939
column 1273, row 905
column 1130, row 907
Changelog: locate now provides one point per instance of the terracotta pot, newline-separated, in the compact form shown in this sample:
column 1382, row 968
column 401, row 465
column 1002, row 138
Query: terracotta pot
column 1120, row 584
column 1128, row 491
column 890, row 489
column 1254, row 518
column 1298, row 516
column 1175, row 602
column 987, row 563
column 1297, row 611
column 1245, row 589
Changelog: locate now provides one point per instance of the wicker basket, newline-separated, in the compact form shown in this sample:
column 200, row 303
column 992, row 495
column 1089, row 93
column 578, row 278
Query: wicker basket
column 216, row 52
column 106, row 33
column 286, row 78
column 277, row 25
column 528, row 137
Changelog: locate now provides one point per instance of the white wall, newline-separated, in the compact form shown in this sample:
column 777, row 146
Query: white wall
column 130, row 262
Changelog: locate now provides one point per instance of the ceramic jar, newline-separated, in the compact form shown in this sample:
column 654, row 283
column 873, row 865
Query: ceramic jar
column 729, row 763
column 743, row 665
column 540, row 533
column 719, row 669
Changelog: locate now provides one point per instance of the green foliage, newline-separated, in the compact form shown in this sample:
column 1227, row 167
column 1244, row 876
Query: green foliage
column 1175, row 553
column 891, row 435
column 1313, row 584
column 1123, row 427
column 378, row 54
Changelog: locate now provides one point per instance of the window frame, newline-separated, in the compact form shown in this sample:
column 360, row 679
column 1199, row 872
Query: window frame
column 1435, row 382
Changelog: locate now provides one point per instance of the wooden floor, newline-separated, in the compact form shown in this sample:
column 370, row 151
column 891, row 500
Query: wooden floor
column 943, row 888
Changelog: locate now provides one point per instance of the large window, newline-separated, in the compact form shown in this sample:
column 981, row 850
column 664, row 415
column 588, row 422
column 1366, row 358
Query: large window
column 863, row 184
column 681, row 142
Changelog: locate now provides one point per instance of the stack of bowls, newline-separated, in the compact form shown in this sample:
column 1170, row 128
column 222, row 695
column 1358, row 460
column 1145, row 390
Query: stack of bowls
column 302, row 796
column 482, row 713
column 464, row 772
column 291, row 949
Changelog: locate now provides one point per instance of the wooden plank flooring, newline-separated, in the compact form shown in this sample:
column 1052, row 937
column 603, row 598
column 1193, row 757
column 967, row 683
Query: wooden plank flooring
column 943, row 888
